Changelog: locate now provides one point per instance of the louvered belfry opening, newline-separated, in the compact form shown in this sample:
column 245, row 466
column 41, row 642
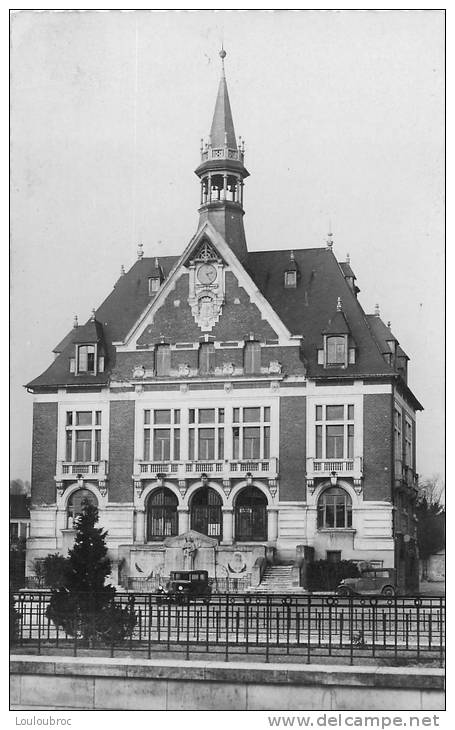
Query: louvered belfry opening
column 251, row 515
column 162, row 516
column 206, row 515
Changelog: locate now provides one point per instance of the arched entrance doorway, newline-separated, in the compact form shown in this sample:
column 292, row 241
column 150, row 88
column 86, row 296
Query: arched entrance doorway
column 74, row 507
column 206, row 516
column 162, row 517
column 250, row 515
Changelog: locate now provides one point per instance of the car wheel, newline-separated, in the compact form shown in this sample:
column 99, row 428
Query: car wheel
column 388, row 591
column 343, row 592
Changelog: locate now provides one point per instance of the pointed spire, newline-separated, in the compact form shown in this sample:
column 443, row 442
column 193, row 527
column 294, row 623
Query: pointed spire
column 75, row 321
column 222, row 131
column 348, row 259
column 93, row 317
column 329, row 241
column 377, row 312
column 389, row 324
column 140, row 251
column 122, row 270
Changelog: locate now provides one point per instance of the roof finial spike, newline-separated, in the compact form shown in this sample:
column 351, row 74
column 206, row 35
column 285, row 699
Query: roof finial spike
column 93, row 317
column 122, row 270
column 222, row 56
column 389, row 324
column 75, row 321
column 329, row 241
column 291, row 256
column 348, row 259
column 140, row 251
column 339, row 304
column 377, row 310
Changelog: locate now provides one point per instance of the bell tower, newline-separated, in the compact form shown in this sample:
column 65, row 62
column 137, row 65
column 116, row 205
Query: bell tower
column 222, row 174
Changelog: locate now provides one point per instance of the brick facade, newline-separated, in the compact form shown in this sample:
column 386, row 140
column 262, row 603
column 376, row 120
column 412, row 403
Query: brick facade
column 121, row 451
column 377, row 436
column 292, row 448
column 44, row 452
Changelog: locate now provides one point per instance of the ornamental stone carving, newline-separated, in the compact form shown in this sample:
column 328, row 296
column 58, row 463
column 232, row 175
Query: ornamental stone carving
column 184, row 369
column 139, row 371
column 275, row 367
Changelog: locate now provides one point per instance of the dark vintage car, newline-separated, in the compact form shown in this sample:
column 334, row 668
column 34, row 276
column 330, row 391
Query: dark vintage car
column 186, row 585
column 370, row 581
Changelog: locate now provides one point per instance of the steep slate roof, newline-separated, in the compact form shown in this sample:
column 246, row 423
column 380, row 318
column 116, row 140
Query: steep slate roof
column 117, row 314
column 382, row 334
column 222, row 122
column 307, row 309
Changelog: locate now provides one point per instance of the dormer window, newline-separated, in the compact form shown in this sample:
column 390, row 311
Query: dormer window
column 86, row 359
column 154, row 284
column 291, row 273
column 290, row 279
column 336, row 350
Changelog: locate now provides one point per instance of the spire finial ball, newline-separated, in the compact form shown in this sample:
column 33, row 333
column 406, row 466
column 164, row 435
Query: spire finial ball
column 223, row 54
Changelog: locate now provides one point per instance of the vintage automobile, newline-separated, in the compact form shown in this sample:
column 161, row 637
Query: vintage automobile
column 370, row 581
column 184, row 586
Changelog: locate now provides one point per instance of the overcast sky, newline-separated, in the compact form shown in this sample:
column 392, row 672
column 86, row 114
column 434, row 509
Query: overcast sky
column 342, row 113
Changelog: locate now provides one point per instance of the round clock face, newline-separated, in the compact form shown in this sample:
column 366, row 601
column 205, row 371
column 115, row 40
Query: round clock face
column 206, row 274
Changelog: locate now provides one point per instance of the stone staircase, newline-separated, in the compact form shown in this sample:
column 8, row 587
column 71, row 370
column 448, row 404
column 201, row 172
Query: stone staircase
column 276, row 579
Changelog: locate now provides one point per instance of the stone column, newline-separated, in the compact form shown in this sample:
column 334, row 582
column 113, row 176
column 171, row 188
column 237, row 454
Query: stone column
column 184, row 519
column 140, row 526
column 228, row 525
column 209, row 189
column 272, row 524
column 224, row 187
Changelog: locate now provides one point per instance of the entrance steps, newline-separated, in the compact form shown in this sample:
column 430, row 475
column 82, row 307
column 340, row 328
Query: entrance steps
column 276, row 579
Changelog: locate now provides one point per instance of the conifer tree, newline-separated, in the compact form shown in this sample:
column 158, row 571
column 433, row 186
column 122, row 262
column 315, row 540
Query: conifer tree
column 84, row 604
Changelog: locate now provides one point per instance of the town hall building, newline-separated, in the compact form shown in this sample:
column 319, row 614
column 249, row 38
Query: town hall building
column 228, row 408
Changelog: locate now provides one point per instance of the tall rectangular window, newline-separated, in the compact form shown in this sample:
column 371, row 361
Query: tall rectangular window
column 83, row 445
column 408, row 436
column 334, row 442
column 206, row 444
column 147, row 444
column 176, row 444
column 83, row 436
column 206, row 358
column 252, row 358
column 398, row 434
column 236, row 442
column 318, row 442
column 163, row 359
column 334, row 431
column 266, row 442
column 251, row 442
column 161, row 444
column 69, row 446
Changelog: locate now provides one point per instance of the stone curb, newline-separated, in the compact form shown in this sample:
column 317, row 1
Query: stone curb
column 234, row 672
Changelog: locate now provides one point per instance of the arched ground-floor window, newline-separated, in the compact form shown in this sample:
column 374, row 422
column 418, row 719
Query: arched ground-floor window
column 334, row 508
column 162, row 517
column 74, row 508
column 206, row 516
column 250, row 515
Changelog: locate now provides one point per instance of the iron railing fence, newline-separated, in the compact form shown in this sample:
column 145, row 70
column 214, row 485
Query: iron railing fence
column 302, row 627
